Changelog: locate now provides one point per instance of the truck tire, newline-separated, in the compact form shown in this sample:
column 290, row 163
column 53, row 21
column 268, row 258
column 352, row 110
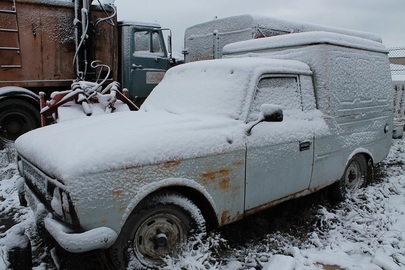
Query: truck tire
column 16, row 118
column 354, row 177
column 156, row 228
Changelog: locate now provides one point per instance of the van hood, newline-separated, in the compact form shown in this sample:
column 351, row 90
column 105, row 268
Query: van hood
column 126, row 139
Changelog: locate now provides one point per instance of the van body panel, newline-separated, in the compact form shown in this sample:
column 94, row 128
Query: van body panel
column 352, row 88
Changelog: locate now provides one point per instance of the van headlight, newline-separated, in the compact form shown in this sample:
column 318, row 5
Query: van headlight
column 60, row 204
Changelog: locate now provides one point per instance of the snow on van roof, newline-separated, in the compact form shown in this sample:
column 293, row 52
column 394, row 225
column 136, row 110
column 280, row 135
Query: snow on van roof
column 302, row 39
column 272, row 26
column 246, row 65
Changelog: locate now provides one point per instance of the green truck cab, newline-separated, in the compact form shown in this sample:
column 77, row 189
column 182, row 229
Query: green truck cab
column 144, row 57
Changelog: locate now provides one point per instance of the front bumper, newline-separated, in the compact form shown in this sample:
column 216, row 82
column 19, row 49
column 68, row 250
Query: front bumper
column 97, row 238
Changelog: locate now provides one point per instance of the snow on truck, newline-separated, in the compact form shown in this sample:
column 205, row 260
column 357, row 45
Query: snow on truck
column 46, row 46
column 215, row 141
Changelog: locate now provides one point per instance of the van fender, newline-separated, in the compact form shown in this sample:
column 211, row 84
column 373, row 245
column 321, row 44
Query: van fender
column 161, row 185
column 369, row 161
column 360, row 150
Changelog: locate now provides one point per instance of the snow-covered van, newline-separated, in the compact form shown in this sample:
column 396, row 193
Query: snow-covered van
column 205, row 41
column 216, row 141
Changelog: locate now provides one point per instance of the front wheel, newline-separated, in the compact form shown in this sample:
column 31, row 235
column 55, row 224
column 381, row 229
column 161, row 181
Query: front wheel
column 158, row 227
column 354, row 177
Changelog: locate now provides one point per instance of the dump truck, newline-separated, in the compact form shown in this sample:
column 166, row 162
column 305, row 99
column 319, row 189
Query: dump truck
column 45, row 46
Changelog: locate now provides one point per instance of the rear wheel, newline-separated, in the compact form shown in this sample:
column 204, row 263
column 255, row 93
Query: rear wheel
column 16, row 118
column 157, row 228
column 354, row 177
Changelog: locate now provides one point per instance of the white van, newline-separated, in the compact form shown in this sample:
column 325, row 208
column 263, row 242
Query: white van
column 352, row 88
column 215, row 141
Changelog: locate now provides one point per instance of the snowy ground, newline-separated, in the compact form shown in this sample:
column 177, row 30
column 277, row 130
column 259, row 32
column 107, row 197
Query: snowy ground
column 366, row 232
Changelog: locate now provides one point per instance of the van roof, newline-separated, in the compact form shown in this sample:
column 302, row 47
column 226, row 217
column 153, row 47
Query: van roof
column 304, row 39
column 245, row 65
column 268, row 26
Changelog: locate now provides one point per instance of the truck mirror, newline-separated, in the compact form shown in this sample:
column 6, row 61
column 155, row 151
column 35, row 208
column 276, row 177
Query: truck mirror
column 268, row 113
column 169, row 44
column 271, row 113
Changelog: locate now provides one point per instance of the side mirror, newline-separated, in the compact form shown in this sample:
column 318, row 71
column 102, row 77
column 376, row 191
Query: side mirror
column 271, row 113
column 268, row 113
column 169, row 45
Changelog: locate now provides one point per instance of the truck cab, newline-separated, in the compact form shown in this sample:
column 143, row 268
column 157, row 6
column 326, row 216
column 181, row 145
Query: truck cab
column 144, row 57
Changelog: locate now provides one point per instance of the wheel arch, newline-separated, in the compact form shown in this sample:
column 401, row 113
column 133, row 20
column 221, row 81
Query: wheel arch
column 338, row 190
column 188, row 188
column 19, row 113
column 199, row 200
column 369, row 161
column 16, row 92
column 367, row 155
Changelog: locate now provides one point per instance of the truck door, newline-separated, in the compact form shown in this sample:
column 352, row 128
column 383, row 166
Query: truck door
column 279, row 154
column 149, row 61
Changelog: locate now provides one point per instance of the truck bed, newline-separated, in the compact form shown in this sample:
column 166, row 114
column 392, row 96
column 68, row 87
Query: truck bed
column 37, row 43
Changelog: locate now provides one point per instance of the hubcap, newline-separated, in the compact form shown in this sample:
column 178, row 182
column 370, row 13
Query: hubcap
column 158, row 236
column 353, row 177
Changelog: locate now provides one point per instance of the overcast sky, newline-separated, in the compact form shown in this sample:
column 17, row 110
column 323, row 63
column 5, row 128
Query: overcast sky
column 383, row 17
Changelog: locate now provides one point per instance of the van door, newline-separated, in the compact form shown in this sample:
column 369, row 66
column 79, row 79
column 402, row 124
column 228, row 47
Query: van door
column 279, row 154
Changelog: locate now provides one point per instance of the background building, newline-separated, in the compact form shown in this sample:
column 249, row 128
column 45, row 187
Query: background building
column 397, row 60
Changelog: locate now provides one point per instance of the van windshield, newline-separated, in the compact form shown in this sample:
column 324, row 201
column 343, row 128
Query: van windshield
column 209, row 88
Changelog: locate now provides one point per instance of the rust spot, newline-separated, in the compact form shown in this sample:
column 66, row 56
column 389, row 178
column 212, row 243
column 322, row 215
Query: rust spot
column 238, row 163
column 224, row 183
column 171, row 163
column 225, row 217
column 221, row 175
column 117, row 193
column 208, row 176
column 122, row 208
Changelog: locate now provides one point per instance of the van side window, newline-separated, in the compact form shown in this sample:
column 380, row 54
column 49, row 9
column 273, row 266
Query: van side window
column 282, row 91
column 147, row 42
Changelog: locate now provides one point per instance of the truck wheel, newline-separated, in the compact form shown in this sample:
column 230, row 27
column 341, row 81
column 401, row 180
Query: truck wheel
column 354, row 177
column 155, row 229
column 16, row 118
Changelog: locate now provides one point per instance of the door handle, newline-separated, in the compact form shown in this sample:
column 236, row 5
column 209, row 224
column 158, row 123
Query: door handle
column 305, row 146
column 134, row 66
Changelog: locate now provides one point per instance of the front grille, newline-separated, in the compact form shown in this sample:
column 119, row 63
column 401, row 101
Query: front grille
column 38, row 182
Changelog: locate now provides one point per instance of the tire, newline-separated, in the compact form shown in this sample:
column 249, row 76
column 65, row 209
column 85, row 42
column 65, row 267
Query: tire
column 354, row 177
column 16, row 118
column 156, row 228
